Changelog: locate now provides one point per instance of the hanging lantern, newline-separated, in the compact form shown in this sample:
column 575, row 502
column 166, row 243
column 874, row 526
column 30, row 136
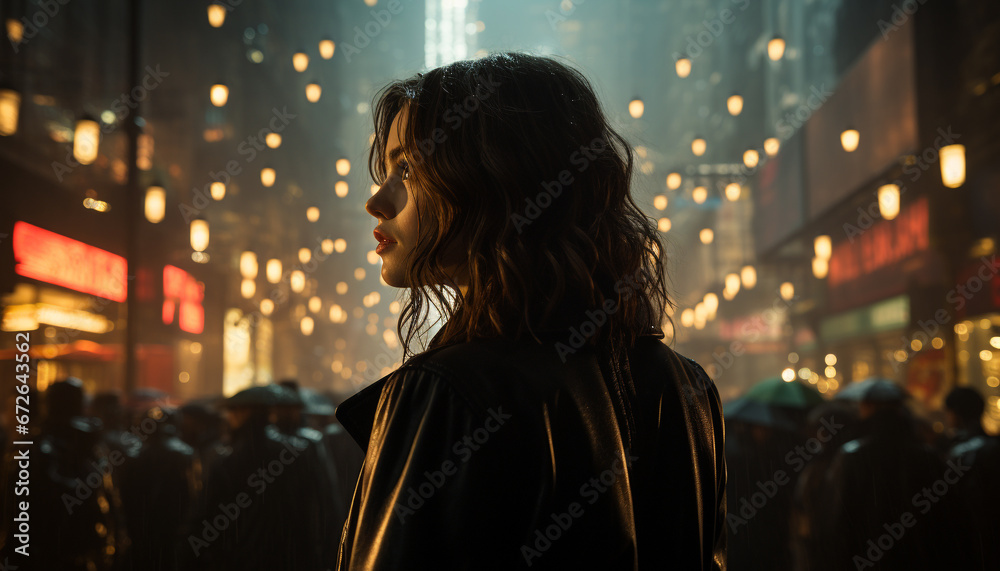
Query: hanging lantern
column 297, row 280
column 216, row 15
column 312, row 214
column 849, row 139
column 660, row 202
column 771, row 146
column 636, row 108
column 699, row 194
column 683, row 67
column 732, row 283
column 706, row 235
column 248, row 288
column 315, row 304
column 787, row 291
column 217, row 190
column 823, row 246
column 820, row 267
column 711, row 302
column 751, row 158
column 673, row 181
column 156, row 204
column 307, row 325
column 663, row 225
column 300, row 61
column 273, row 140
column 248, row 265
column 687, row 317
column 775, row 48
column 748, row 277
column 698, row 146
column 343, row 167
column 734, row 104
column 199, row 234
column 267, row 176
column 953, row 165
column 326, row 48
column 273, row 270
column 266, row 307
column 10, row 110
column 305, row 254
column 86, row 139
column 888, row 201
column 219, row 94
column 313, row 91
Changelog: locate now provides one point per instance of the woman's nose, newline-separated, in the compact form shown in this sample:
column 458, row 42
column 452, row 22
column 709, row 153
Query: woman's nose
column 379, row 205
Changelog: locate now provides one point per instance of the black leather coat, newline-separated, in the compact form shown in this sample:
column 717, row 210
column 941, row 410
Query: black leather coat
column 496, row 454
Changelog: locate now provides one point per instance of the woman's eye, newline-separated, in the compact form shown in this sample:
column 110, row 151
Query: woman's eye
column 404, row 170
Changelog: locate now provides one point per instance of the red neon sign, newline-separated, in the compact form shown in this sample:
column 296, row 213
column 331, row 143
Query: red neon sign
column 180, row 289
column 53, row 258
column 884, row 244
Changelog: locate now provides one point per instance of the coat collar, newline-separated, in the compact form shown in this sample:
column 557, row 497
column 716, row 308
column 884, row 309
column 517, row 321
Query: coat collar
column 357, row 413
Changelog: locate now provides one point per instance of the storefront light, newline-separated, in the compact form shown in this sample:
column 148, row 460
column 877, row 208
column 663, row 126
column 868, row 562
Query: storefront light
column 953, row 165
column 86, row 139
column 10, row 109
column 823, row 247
column 216, row 15
column 888, row 201
column 199, row 234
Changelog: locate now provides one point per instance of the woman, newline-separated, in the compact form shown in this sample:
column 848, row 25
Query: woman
column 546, row 426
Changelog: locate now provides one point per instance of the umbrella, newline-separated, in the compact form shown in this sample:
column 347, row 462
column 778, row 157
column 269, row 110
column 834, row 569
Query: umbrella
column 267, row 395
column 755, row 412
column 775, row 391
column 315, row 403
column 873, row 389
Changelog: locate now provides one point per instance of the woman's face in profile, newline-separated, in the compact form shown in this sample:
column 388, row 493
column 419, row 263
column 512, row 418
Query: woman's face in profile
column 394, row 208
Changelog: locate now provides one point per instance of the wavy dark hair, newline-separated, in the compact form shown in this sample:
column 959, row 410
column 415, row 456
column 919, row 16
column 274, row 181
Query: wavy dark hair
column 512, row 155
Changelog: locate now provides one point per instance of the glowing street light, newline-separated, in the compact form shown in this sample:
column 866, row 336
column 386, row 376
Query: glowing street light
column 953, row 165
column 734, row 104
column 775, row 48
column 849, row 139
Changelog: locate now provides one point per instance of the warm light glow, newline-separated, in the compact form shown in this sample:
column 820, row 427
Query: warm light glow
column 297, row 281
column 660, row 202
column 300, row 61
column 359, row 274
column 775, row 48
column 266, row 307
column 663, row 225
column 218, row 190
column 199, row 234
column 733, row 191
column 788, row 375
column 307, row 325
column 313, row 92
column 343, row 167
column 706, row 235
column 273, row 140
column 85, row 141
column 821, row 266
column 15, row 30
column 156, row 204
column 711, row 302
column 823, row 247
column 953, row 165
column 219, row 94
column 337, row 314
column 340, row 188
column 10, row 109
column 687, row 317
column 734, row 104
column 771, row 146
column 267, row 176
column 636, row 108
column 342, row 288
column 751, row 158
column 888, row 201
column 683, row 67
column 327, row 246
column 216, row 15
column 53, row 258
column 273, row 270
column 305, row 254
column 248, row 288
column 340, row 245
column 849, row 139
column 732, row 283
column 699, row 194
column 787, row 291
column 748, row 277
column 326, row 48
column 315, row 304
column 312, row 214
column 698, row 146
column 248, row 265
column 673, row 181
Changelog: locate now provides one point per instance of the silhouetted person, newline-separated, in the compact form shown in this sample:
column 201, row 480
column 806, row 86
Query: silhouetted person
column 261, row 500
column 890, row 499
column 158, row 490
column 972, row 447
column 74, row 510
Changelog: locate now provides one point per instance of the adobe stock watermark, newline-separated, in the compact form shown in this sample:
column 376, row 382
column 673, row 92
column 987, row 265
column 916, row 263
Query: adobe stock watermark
column 591, row 491
column 698, row 43
column 229, row 512
column 47, row 9
column 797, row 458
column 363, row 37
column 119, row 106
column 249, row 147
column 454, row 116
column 924, row 500
column 900, row 15
column 556, row 18
column 551, row 190
column 417, row 496
column 596, row 318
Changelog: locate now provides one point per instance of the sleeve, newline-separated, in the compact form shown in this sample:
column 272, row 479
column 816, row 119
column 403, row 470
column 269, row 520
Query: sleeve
column 426, row 490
